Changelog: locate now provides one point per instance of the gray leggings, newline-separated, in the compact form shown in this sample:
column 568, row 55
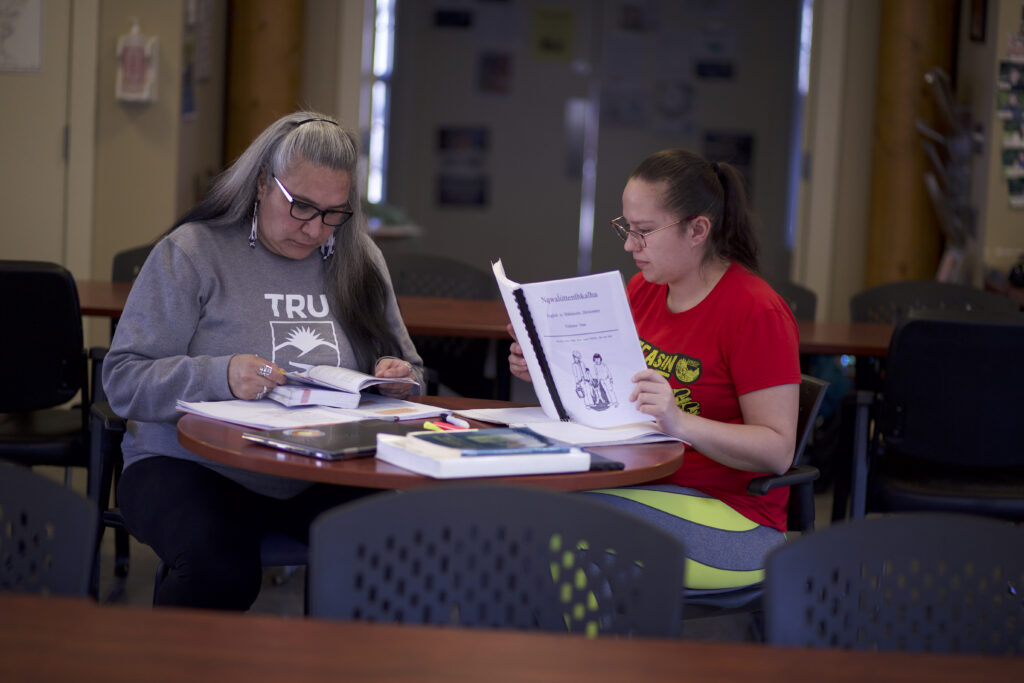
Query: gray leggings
column 724, row 549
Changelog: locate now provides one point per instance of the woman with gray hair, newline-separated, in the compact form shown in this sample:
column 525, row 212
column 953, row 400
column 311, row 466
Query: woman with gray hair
column 273, row 271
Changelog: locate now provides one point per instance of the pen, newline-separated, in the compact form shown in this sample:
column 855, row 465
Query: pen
column 457, row 421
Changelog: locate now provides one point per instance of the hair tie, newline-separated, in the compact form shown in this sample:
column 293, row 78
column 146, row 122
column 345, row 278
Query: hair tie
column 311, row 120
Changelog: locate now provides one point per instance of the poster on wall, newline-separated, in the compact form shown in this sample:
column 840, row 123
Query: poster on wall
column 735, row 149
column 1010, row 110
column 21, row 35
column 462, row 178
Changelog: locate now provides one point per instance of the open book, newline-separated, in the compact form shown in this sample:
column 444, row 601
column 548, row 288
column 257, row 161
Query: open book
column 580, row 345
column 342, row 379
column 327, row 385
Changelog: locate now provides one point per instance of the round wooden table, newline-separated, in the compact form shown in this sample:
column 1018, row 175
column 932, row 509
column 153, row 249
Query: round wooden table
column 223, row 443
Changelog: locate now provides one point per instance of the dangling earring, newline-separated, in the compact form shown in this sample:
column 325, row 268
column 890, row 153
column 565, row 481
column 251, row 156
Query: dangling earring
column 255, row 221
column 327, row 248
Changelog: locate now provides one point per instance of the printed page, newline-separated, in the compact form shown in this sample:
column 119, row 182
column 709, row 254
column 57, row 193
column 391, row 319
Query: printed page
column 264, row 414
column 590, row 341
column 343, row 379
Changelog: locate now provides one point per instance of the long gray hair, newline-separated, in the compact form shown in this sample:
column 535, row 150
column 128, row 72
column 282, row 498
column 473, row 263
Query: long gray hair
column 358, row 288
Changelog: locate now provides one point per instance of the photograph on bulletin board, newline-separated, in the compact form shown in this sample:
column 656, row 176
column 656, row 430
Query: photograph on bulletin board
column 736, row 149
column 495, row 73
column 1011, row 76
column 462, row 179
column 1013, row 163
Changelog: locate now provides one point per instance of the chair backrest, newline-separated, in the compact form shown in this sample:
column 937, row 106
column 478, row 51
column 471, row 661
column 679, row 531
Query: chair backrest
column 457, row 362
column 492, row 556
column 890, row 302
column 417, row 274
column 47, row 535
column 45, row 360
column 128, row 263
column 812, row 393
column 920, row 582
column 952, row 389
column 801, row 300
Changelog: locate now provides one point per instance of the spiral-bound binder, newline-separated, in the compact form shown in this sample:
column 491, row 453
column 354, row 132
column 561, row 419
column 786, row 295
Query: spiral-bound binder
column 531, row 329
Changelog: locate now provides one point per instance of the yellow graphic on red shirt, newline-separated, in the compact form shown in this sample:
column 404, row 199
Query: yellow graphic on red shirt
column 683, row 368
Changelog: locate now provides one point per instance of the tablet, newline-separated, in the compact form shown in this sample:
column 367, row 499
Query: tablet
column 334, row 441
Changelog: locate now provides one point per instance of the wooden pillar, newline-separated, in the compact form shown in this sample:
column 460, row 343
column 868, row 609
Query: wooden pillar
column 264, row 68
column 904, row 237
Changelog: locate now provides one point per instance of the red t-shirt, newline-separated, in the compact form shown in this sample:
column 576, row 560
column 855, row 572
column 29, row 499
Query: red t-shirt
column 742, row 337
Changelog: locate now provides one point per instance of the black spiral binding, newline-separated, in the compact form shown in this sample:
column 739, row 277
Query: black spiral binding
column 531, row 330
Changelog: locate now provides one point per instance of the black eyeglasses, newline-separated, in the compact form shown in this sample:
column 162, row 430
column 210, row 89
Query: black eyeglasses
column 306, row 212
column 621, row 227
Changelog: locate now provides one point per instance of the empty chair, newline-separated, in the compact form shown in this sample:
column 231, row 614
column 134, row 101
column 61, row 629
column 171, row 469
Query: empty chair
column 948, row 435
column 45, row 367
column 801, row 300
column 913, row 581
column 47, row 535
column 459, row 362
column 891, row 301
column 492, row 556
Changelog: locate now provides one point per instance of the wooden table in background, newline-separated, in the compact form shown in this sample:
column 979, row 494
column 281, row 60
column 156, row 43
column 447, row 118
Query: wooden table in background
column 64, row 639
column 487, row 319
column 223, row 443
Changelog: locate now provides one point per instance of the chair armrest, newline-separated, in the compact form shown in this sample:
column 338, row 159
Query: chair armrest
column 108, row 419
column 798, row 474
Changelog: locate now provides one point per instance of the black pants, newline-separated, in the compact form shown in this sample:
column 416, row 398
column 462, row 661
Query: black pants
column 207, row 529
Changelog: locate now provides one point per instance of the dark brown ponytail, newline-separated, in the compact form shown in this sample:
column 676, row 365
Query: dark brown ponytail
column 695, row 186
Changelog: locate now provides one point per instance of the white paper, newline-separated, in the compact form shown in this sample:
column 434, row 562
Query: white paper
column 590, row 341
column 265, row 414
column 343, row 379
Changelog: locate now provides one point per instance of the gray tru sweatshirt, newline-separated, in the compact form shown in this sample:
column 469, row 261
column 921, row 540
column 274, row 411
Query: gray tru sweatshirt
column 203, row 296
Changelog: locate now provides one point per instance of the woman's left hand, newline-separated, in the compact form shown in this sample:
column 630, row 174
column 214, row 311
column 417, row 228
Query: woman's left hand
column 654, row 396
column 394, row 367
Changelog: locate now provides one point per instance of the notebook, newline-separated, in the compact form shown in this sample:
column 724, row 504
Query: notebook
column 334, row 441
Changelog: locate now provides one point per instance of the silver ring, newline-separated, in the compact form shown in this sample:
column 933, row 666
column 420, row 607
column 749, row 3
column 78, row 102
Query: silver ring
column 261, row 394
column 264, row 371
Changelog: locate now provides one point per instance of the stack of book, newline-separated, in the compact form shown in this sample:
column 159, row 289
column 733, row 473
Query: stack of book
column 480, row 453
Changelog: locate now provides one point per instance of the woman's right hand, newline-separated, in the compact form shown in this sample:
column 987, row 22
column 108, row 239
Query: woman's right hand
column 249, row 378
column 516, row 360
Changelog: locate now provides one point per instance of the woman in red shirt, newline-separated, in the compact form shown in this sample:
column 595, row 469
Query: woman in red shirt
column 723, row 365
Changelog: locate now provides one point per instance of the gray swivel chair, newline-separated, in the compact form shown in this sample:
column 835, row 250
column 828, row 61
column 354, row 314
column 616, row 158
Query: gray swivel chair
column 495, row 557
column 47, row 535
column 912, row 581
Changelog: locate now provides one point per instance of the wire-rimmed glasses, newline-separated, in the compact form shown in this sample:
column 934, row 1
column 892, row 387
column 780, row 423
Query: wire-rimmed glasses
column 306, row 212
column 621, row 227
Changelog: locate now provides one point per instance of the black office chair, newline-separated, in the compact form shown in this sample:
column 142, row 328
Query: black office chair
column 948, row 431
column 800, row 480
column 912, row 581
column 47, row 535
column 458, row 362
column 125, row 268
column 106, row 430
column 499, row 557
column 891, row 303
column 801, row 300
column 44, row 367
